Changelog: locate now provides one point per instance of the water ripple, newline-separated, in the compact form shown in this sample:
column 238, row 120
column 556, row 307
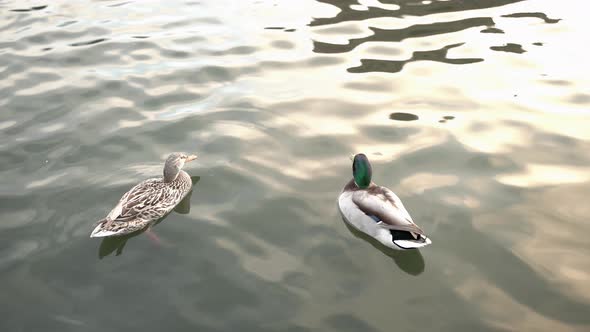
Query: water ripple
column 541, row 16
column 392, row 66
column 29, row 9
column 406, row 8
column 414, row 31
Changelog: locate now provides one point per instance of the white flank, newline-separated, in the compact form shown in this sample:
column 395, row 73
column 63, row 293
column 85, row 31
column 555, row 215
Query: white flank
column 407, row 244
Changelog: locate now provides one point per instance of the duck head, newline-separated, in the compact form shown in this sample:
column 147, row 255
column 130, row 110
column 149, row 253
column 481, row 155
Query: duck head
column 362, row 171
column 174, row 164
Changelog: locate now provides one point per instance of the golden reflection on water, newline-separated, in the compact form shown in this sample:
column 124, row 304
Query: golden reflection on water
column 504, row 312
column 496, row 104
column 552, row 247
column 536, row 175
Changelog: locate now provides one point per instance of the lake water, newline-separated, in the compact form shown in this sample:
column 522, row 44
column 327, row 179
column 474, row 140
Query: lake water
column 477, row 113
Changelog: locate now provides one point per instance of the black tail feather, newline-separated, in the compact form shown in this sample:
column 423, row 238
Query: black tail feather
column 403, row 235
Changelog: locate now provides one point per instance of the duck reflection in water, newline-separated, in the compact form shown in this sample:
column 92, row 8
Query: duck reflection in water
column 116, row 244
column 409, row 261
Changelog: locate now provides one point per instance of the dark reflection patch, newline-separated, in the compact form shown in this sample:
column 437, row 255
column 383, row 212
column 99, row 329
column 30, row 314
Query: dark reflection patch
column 446, row 118
column 492, row 30
column 510, row 48
column 394, row 66
column 29, row 9
column 397, row 35
column 406, row 8
column 400, row 116
column 536, row 15
column 90, row 42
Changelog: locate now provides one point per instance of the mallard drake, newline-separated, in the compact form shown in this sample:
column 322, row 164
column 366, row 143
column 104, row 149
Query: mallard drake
column 377, row 211
column 149, row 200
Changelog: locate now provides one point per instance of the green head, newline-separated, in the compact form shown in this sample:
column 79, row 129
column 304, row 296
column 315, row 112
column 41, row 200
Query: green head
column 361, row 171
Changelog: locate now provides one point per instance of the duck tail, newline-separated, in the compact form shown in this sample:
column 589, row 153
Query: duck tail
column 101, row 228
column 422, row 241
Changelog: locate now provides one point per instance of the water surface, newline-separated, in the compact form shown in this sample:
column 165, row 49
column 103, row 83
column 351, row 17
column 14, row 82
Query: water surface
column 474, row 112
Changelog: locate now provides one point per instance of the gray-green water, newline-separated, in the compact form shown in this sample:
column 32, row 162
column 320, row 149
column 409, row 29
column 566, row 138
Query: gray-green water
column 274, row 96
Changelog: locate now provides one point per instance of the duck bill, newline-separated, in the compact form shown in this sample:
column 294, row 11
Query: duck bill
column 191, row 158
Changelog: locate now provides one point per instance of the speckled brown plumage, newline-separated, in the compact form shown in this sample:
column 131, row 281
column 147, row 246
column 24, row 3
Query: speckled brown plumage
column 148, row 201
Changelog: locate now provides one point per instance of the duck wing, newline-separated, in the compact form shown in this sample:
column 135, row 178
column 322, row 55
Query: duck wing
column 148, row 199
column 117, row 210
column 382, row 205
